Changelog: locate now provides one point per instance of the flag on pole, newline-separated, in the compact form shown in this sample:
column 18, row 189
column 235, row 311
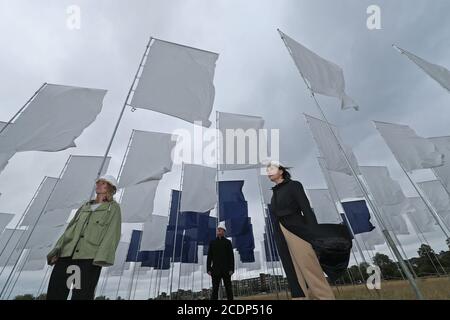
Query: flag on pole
column 53, row 119
column 358, row 216
column 5, row 219
column 438, row 197
column 154, row 233
column 436, row 72
column 138, row 201
column 199, row 188
column 323, row 206
column 384, row 189
column 133, row 249
column 411, row 151
column 178, row 81
column 149, row 157
column 324, row 76
column 443, row 172
column 329, row 148
column 420, row 216
column 242, row 140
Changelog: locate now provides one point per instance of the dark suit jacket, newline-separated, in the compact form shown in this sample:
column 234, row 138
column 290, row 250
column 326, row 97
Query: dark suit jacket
column 220, row 256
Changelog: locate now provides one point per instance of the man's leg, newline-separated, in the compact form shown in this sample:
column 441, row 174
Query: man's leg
column 90, row 275
column 215, row 287
column 57, row 286
column 228, row 286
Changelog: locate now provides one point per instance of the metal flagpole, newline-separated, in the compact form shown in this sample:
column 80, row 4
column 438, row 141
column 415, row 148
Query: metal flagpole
column 181, row 264
column 125, row 104
column 23, row 107
column 150, row 284
column 176, row 230
column 264, row 217
column 377, row 214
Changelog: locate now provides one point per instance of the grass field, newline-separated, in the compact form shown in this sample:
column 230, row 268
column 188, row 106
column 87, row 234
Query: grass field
column 432, row 288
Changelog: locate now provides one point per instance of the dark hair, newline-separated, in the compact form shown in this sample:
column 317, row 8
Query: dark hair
column 286, row 174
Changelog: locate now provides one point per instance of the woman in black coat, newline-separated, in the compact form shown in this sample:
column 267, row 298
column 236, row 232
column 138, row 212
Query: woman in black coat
column 307, row 249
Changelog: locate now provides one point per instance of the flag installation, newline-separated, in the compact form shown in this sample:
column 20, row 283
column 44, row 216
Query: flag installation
column 324, row 77
column 436, row 72
column 177, row 80
column 137, row 202
column 438, row 197
column 53, row 119
column 323, row 206
column 420, row 216
column 384, row 189
column 5, row 219
column 411, row 151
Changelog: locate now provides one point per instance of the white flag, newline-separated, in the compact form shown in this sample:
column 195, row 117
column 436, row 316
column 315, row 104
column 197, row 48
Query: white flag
column 393, row 217
column 38, row 203
column 438, row 197
column 371, row 239
column 411, row 151
column 443, row 172
column 419, row 215
column 119, row 261
column 177, row 80
column 8, row 242
column 340, row 185
column 53, row 119
column 149, row 157
column 323, row 206
column 384, row 189
column 77, row 182
column 199, row 188
column 438, row 73
column 266, row 187
column 328, row 146
column 137, row 202
column 324, row 77
column 41, row 236
column 154, row 233
column 5, row 219
column 242, row 136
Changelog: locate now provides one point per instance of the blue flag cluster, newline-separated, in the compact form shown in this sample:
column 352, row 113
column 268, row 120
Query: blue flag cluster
column 192, row 230
column 358, row 216
column 233, row 209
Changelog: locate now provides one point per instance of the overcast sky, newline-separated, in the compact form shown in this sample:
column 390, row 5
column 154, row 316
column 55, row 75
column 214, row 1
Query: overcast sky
column 255, row 75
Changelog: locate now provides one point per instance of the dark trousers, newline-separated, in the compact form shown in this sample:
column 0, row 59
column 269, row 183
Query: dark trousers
column 216, row 283
column 58, row 288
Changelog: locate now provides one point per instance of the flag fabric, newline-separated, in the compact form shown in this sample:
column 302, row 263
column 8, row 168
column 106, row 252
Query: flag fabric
column 324, row 77
column 340, row 185
column 241, row 137
column 39, row 201
column 119, row 262
column 323, row 206
column 438, row 197
column 358, row 216
column 8, row 241
column 138, row 201
column 133, row 249
column 436, row 72
column 5, row 219
column 231, row 191
column 178, row 81
column 142, row 163
column 53, row 119
column 266, row 188
column 199, row 188
column 420, row 216
column 329, row 148
column 383, row 188
column 371, row 239
column 411, row 151
column 443, row 172
column 76, row 183
column 154, row 233
column 393, row 217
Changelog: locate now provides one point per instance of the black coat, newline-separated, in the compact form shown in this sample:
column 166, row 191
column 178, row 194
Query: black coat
column 220, row 256
column 331, row 242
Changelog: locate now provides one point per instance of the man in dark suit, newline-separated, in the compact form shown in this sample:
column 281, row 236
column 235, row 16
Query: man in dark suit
column 220, row 263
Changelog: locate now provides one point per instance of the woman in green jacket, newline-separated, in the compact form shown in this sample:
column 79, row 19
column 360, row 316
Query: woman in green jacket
column 88, row 244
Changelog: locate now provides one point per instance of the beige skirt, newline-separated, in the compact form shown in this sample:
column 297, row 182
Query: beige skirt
column 307, row 268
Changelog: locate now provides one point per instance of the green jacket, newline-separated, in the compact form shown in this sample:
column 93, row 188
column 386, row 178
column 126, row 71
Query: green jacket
column 91, row 235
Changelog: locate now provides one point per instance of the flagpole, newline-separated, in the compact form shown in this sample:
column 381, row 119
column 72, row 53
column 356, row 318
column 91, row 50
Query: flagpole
column 181, row 264
column 264, row 217
column 125, row 104
column 176, row 230
column 23, row 107
column 363, row 189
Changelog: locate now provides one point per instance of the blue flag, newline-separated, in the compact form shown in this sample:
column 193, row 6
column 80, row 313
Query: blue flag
column 135, row 243
column 358, row 216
